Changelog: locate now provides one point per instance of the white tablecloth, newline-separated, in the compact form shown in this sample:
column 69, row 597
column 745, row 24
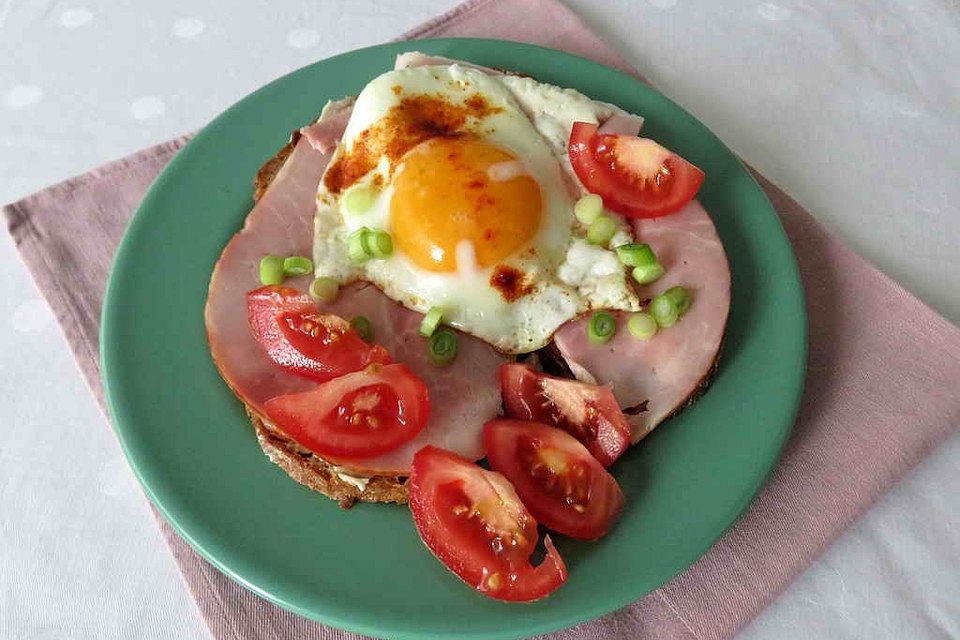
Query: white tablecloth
column 851, row 107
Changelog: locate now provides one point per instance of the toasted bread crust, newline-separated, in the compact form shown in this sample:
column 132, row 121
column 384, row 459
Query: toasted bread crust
column 271, row 167
column 316, row 473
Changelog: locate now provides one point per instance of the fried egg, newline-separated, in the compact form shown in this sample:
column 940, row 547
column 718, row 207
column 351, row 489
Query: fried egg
column 466, row 172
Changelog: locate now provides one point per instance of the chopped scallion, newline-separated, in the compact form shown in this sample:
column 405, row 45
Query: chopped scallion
column 588, row 208
column 431, row 321
column 356, row 247
column 378, row 243
column 442, row 347
column 642, row 326
column 325, row 289
column 363, row 326
column 645, row 274
column 271, row 270
column 601, row 230
column 601, row 328
column 664, row 310
column 681, row 297
column 359, row 199
column 636, row 255
column 297, row 266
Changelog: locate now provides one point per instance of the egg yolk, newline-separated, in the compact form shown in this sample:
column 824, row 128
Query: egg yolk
column 451, row 190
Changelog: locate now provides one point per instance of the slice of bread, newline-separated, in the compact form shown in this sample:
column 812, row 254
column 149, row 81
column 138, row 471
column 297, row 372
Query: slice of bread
column 314, row 472
column 338, row 483
column 306, row 467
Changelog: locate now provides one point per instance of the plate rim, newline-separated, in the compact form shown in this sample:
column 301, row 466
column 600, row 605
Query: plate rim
column 116, row 404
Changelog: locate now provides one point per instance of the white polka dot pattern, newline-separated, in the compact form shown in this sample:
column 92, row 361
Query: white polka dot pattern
column 32, row 317
column 147, row 107
column 188, row 28
column 774, row 12
column 73, row 18
column 303, row 38
column 115, row 478
column 23, row 96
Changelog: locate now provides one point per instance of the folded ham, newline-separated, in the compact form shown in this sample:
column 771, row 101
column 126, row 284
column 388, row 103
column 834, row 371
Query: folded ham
column 654, row 378
column 324, row 134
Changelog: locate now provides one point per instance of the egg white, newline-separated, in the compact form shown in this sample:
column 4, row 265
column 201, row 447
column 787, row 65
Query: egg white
column 569, row 276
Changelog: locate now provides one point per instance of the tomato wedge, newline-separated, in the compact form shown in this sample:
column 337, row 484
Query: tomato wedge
column 300, row 339
column 358, row 415
column 564, row 487
column 635, row 176
column 473, row 522
column 588, row 412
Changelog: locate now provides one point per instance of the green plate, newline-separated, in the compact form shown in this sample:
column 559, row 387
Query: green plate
column 365, row 570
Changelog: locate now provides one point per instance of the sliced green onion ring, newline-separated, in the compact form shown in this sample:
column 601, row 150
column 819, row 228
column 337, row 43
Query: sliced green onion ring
column 588, row 208
column 356, row 247
column 636, row 255
column 664, row 310
column 645, row 274
column 601, row 230
column 642, row 326
column 442, row 347
column 297, row 266
column 363, row 326
column 681, row 297
column 271, row 270
column 431, row 321
column 325, row 289
column 601, row 328
column 378, row 243
column 359, row 199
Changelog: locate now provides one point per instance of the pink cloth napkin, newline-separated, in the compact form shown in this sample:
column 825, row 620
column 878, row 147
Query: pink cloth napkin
column 882, row 385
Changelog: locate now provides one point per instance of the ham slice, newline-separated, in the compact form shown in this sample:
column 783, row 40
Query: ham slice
column 621, row 122
column 324, row 134
column 667, row 370
column 281, row 223
column 463, row 395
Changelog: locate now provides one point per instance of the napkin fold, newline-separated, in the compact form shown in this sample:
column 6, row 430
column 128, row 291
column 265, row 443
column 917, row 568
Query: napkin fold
column 882, row 383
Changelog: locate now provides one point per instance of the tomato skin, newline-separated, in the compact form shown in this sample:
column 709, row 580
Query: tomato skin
column 604, row 165
column 303, row 341
column 588, row 412
column 358, row 415
column 473, row 522
column 562, row 485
